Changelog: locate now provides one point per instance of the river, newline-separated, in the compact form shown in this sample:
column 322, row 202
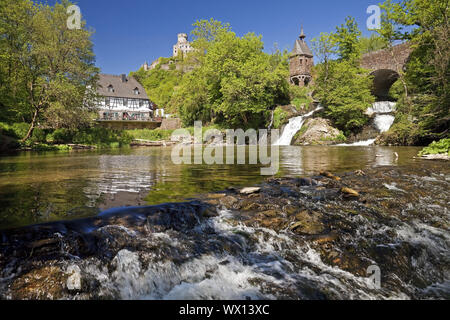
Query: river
column 294, row 237
column 51, row 186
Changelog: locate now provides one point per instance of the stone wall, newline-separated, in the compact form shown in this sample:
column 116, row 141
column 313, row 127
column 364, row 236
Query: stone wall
column 300, row 65
column 383, row 59
column 171, row 124
column 129, row 125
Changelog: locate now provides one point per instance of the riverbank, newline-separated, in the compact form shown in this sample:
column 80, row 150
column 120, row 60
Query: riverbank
column 85, row 139
column 286, row 238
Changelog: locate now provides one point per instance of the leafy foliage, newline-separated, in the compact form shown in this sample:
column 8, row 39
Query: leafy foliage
column 425, row 98
column 342, row 87
column 279, row 117
column 372, row 43
column 160, row 85
column 235, row 84
column 47, row 72
column 439, row 147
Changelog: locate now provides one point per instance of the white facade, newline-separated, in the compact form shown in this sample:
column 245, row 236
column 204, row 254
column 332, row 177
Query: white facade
column 112, row 108
column 182, row 46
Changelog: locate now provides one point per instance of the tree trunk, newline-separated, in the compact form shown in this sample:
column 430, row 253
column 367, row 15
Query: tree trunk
column 32, row 126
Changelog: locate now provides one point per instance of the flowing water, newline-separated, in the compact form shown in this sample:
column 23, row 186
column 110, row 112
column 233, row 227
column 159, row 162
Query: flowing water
column 402, row 225
column 43, row 187
column 294, row 126
column 383, row 121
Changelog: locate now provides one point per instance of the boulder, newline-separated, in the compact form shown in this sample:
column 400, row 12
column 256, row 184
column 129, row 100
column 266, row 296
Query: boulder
column 318, row 131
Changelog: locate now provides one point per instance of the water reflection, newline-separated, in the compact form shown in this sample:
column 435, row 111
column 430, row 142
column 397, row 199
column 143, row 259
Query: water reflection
column 45, row 187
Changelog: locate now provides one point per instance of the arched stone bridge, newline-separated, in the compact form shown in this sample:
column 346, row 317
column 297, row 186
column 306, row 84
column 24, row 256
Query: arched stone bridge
column 385, row 65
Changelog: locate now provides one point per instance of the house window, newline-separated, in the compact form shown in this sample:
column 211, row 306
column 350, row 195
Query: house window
column 136, row 91
column 125, row 102
column 110, row 88
column 107, row 102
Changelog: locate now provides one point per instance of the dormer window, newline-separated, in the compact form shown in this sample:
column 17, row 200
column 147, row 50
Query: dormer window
column 110, row 88
column 136, row 91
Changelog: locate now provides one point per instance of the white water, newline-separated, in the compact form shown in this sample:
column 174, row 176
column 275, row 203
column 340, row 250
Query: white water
column 383, row 121
column 382, row 107
column 294, row 126
column 216, row 275
column 364, row 143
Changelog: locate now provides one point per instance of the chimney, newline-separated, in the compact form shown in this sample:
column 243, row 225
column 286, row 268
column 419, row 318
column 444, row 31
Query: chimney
column 124, row 77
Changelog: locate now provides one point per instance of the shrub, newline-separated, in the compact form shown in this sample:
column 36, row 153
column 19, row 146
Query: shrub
column 151, row 135
column 60, row 136
column 299, row 96
column 279, row 117
column 439, row 147
column 102, row 137
column 39, row 135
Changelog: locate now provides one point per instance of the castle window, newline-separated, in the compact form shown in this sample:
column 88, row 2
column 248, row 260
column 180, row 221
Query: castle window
column 301, row 61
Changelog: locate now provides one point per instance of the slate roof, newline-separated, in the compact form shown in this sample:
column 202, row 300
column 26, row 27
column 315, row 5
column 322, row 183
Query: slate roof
column 301, row 48
column 121, row 89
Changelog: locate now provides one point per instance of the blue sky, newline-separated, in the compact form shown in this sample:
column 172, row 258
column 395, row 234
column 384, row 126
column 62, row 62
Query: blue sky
column 127, row 33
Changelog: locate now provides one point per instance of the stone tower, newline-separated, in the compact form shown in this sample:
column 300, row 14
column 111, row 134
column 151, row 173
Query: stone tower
column 301, row 61
column 182, row 46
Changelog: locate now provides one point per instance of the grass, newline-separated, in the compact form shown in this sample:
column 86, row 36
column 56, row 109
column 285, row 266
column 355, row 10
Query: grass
column 58, row 140
column 101, row 138
column 150, row 135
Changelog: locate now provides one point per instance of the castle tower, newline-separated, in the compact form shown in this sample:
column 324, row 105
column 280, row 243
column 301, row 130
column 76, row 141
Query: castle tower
column 182, row 46
column 301, row 61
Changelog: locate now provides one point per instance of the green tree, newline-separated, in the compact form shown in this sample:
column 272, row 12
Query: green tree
column 342, row 87
column 347, row 40
column 235, row 83
column 55, row 66
column 424, row 106
column 372, row 43
column 160, row 85
column 345, row 94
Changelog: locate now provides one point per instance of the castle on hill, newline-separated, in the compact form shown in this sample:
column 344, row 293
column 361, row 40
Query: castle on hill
column 182, row 47
column 301, row 59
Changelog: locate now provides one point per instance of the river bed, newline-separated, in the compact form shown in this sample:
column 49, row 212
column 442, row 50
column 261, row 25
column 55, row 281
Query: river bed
column 302, row 234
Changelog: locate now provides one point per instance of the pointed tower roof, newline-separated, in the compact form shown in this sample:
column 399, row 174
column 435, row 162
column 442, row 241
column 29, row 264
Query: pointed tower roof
column 300, row 46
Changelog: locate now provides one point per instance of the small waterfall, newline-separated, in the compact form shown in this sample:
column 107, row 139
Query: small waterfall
column 294, row 126
column 381, row 107
column 383, row 120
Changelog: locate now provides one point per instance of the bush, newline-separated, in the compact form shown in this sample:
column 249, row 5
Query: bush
column 150, row 135
column 102, row 137
column 439, row 147
column 279, row 117
column 345, row 92
column 299, row 96
column 403, row 132
column 15, row 130
column 39, row 136
column 60, row 136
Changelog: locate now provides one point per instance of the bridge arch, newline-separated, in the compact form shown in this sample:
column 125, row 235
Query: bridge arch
column 382, row 64
column 383, row 79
